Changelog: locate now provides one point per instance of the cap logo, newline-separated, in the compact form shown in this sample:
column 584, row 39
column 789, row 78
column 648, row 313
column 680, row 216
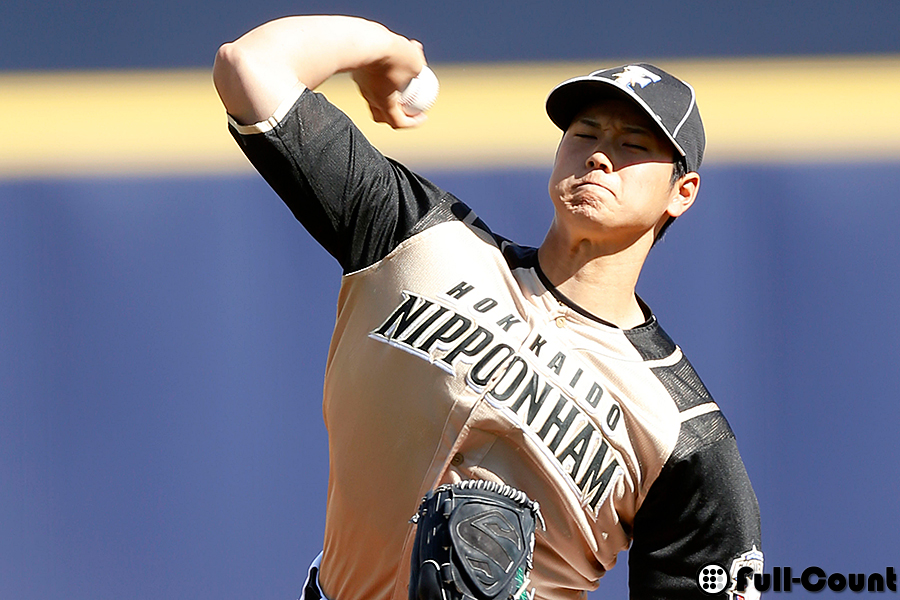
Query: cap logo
column 634, row 75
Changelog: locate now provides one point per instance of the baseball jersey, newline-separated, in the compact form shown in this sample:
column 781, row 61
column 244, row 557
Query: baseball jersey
column 453, row 357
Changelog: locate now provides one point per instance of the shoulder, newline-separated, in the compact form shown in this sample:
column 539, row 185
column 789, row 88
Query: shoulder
column 702, row 439
column 672, row 368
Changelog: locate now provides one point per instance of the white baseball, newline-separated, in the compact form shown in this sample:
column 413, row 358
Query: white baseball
column 421, row 93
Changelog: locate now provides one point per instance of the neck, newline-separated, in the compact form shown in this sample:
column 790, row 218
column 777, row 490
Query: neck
column 598, row 278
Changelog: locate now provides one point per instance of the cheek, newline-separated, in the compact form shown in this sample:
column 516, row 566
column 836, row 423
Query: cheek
column 558, row 177
column 553, row 184
column 653, row 183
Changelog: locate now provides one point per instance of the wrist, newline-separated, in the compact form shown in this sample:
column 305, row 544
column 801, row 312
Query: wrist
column 391, row 56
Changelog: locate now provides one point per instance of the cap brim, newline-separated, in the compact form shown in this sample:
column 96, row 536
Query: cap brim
column 570, row 97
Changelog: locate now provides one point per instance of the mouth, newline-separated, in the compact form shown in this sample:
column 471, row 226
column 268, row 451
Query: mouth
column 593, row 184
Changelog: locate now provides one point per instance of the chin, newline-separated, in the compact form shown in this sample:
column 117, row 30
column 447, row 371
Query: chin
column 584, row 206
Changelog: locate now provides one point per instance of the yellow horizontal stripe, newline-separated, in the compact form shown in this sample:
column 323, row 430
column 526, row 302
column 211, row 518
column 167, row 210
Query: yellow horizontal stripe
column 812, row 109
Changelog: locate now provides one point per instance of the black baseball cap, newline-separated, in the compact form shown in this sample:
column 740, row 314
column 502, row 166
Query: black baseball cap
column 669, row 101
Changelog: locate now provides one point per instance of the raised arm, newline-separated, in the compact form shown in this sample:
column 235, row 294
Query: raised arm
column 255, row 73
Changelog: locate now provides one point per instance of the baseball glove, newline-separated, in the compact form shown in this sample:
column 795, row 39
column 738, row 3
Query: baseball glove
column 474, row 541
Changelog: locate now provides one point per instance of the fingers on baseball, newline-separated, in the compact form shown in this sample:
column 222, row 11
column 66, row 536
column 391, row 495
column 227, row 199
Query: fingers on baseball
column 396, row 117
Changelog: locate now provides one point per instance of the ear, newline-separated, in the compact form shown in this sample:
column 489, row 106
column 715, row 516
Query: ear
column 684, row 192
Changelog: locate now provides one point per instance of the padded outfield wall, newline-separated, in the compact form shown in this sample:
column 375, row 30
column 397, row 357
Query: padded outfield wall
column 164, row 321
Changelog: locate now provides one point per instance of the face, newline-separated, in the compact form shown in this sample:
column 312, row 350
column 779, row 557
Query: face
column 613, row 174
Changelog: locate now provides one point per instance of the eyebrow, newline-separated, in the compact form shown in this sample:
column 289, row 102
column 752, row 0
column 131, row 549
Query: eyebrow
column 589, row 122
column 637, row 129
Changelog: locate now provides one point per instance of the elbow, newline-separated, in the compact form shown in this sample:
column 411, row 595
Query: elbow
column 251, row 79
column 226, row 71
column 234, row 79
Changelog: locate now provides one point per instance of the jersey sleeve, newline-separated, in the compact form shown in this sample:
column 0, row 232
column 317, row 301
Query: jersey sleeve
column 354, row 201
column 701, row 511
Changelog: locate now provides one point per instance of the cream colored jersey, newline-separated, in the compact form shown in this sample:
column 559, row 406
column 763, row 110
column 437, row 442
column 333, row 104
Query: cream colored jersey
column 453, row 358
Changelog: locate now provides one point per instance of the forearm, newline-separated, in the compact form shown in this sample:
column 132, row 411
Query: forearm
column 256, row 72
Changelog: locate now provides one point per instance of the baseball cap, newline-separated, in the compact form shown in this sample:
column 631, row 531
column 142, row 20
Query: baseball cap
column 670, row 102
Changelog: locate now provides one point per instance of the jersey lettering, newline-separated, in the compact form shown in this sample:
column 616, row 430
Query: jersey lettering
column 461, row 289
column 507, row 322
column 537, row 344
column 485, row 305
column 529, row 391
column 557, row 363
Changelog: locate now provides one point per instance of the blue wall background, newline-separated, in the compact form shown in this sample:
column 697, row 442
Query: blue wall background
column 162, row 339
column 45, row 34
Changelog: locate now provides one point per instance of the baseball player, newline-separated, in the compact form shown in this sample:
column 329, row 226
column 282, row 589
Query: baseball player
column 502, row 420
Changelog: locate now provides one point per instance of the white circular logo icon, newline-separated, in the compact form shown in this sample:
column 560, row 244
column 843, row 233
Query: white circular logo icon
column 712, row 579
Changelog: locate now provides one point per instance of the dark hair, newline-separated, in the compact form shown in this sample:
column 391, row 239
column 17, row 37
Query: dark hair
column 679, row 170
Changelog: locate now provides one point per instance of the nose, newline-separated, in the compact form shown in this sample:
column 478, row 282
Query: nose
column 599, row 161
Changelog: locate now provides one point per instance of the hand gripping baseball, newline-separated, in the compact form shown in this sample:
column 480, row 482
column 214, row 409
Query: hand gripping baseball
column 474, row 541
column 421, row 93
column 389, row 83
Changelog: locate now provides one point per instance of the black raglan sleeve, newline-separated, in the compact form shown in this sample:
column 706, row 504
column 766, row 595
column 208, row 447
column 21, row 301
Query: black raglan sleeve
column 354, row 201
column 700, row 511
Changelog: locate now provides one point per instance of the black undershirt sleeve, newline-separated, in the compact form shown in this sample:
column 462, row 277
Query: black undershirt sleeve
column 355, row 202
column 700, row 511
